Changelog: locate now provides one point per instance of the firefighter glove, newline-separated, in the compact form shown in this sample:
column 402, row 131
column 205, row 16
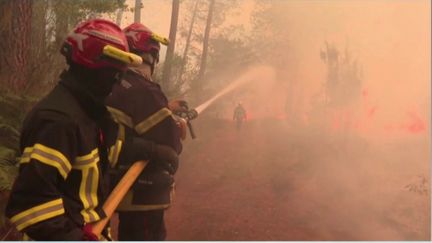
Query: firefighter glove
column 166, row 157
column 88, row 235
column 141, row 149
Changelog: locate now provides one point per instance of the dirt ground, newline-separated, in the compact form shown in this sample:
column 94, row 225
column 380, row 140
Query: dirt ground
column 269, row 182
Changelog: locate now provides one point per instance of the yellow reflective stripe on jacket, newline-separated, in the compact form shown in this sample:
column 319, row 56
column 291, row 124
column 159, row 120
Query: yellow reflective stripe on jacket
column 88, row 160
column 39, row 213
column 120, row 117
column 153, row 120
column 127, row 205
column 121, row 132
column 115, row 150
column 113, row 153
column 88, row 193
column 47, row 156
column 26, row 237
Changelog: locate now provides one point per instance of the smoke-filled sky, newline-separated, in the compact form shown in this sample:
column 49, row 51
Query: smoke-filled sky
column 390, row 39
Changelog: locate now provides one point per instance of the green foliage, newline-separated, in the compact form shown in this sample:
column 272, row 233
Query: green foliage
column 51, row 21
column 7, row 154
column 228, row 47
column 229, row 53
column 8, row 168
column 12, row 111
column 80, row 9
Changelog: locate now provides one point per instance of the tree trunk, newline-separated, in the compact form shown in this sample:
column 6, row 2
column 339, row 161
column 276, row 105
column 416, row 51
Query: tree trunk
column 166, row 75
column 205, row 44
column 61, row 22
column 20, row 40
column 39, row 24
column 137, row 16
column 119, row 16
column 39, row 44
column 184, row 58
column 6, row 43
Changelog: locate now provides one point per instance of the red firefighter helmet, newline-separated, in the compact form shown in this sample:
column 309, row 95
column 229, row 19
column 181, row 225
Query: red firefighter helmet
column 142, row 40
column 88, row 42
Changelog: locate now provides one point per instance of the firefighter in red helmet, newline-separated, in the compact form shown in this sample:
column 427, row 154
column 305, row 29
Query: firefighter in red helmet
column 142, row 108
column 69, row 141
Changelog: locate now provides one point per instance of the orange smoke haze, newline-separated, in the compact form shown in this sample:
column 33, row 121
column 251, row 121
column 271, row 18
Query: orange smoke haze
column 391, row 41
column 359, row 171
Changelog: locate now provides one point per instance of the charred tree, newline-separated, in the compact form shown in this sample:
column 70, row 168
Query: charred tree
column 137, row 14
column 188, row 41
column 204, row 55
column 166, row 75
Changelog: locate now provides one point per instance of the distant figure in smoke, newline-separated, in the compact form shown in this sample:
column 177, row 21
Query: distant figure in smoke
column 239, row 115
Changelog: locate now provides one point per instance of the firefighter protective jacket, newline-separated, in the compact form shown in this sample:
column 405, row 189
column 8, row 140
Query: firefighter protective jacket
column 68, row 141
column 140, row 105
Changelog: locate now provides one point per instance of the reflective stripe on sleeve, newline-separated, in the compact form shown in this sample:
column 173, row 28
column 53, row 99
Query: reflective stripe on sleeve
column 120, row 117
column 39, row 213
column 152, row 120
column 47, row 156
column 114, row 152
column 88, row 193
column 87, row 160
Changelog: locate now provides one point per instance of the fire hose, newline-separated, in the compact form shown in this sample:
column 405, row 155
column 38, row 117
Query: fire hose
column 118, row 194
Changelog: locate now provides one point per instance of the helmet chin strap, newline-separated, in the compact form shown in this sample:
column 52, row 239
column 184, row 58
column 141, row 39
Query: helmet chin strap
column 149, row 60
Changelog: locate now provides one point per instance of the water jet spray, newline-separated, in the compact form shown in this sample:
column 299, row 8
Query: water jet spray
column 255, row 73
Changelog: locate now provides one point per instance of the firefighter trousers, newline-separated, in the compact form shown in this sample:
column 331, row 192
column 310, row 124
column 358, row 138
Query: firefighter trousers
column 141, row 225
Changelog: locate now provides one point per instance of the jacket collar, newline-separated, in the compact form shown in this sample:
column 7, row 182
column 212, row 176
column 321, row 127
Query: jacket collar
column 94, row 108
column 136, row 71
